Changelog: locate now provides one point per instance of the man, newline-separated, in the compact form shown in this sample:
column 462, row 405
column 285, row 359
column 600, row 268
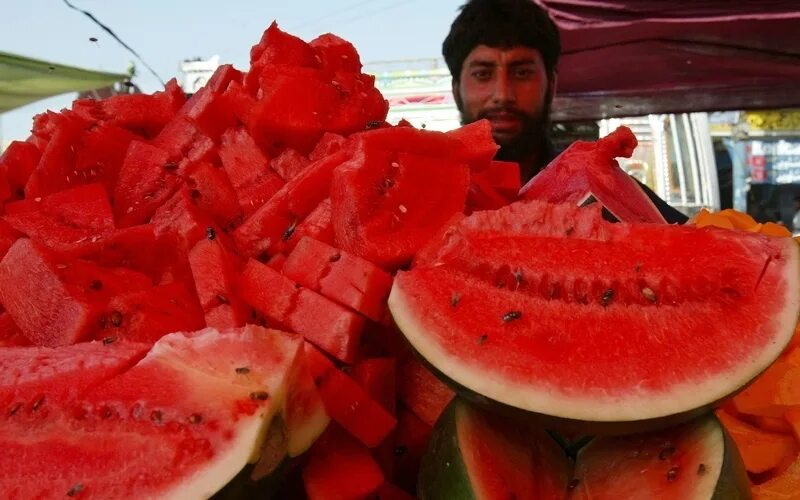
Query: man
column 502, row 55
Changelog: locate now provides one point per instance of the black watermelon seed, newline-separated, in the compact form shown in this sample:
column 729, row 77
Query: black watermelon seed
column 37, row 403
column 454, row 299
column 116, row 318
column 96, row 285
column 211, row 234
column 243, row 370
column 701, row 469
column 259, row 395
column 335, row 257
column 573, row 483
column 195, row 418
column 482, row 339
column 512, row 316
column 607, row 297
column 222, row 299
column 109, row 340
column 75, row 490
column 14, row 409
column 289, row 231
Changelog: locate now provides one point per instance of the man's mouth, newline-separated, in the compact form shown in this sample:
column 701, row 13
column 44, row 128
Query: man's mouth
column 503, row 120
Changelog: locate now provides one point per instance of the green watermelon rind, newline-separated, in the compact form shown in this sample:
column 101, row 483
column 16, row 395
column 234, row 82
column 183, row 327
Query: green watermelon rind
column 681, row 404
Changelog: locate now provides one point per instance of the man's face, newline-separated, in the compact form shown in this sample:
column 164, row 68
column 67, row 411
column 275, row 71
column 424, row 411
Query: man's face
column 510, row 88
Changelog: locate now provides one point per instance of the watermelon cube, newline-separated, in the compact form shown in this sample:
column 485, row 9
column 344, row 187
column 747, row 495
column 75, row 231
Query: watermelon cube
column 340, row 276
column 18, row 161
column 146, row 180
column 212, row 193
column 67, row 221
column 289, row 164
column 422, row 391
column 222, row 77
column 347, row 403
column 47, row 310
column 321, row 321
column 209, row 112
column 340, row 467
column 10, row 334
column 268, row 229
column 377, row 377
column 214, row 271
column 318, row 225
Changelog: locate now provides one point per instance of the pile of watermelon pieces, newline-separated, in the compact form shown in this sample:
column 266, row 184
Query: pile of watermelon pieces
column 276, row 197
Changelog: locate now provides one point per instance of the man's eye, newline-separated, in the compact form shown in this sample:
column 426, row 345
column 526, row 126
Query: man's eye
column 524, row 73
column 482, row 74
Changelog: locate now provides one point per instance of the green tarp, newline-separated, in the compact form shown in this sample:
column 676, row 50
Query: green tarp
column 24, row 80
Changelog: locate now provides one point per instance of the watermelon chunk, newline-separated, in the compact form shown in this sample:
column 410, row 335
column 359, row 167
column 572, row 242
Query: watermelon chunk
column 340, row 276
column 340, row 467
column 501, row 312
column 148, row 315
column 477, row 144
column 146, row 180
column 318, row 225
column 209, row 112
column 10, row 334
column 213, row 193
column 19, row 160
column 320, row 320
column 387, row 201
column 181, row 423
column 267, row 230
column 588, row 170
column 215, row 272
column 45, row 308
column 67, row 222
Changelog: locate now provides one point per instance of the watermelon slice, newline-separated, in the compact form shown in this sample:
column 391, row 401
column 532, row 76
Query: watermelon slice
column 694, row 460
column 474, row 454
column 588, row 170
column 180, row 423
column 526, row 305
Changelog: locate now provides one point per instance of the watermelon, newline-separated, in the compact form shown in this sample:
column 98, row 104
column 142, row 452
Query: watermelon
column 180, row 423
column 476, row 455
column 396, row 190
column 672, row 326
column 19, row 160
column 694, row 460
column 588, row 170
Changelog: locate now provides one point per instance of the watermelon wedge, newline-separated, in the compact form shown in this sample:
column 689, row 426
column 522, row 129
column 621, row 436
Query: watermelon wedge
column 694, row 460
column 552, row 310
column 474, row 454
column 587, row 170
column 180, row 423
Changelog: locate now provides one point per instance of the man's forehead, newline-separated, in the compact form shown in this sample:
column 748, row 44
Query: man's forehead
column 483, row 54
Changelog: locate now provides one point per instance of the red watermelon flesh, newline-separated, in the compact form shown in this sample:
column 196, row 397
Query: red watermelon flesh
column 60, row 375
column 239, row 101
column 18, row 161
column 278, row 47
column 347, row 403
column 477, row 144
column 177, row 138
column 588, row 169
column 336, row 54
column 421, row 391
column 213, row 193
column 180, row 423
column 146, row 180
column 123, row 247
column 387, row 202
column 377, row 376
column 628, row 302
column 215, row 272
column 222, row 77
column 340, row 467
column 148, row 315
column 209, row 112
column 267, row 230
column 10, row 334
column 57, row 163
column 43, row 306
column 404, row 448
column 8, row 235
column 340, row 276
column 325, row 323
column 289, row 163
column 318, row 225
column 67, row 222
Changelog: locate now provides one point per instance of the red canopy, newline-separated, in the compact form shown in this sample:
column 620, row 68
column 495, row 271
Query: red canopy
column 634, row 57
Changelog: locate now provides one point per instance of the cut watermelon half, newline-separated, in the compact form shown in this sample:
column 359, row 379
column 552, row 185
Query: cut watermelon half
column 552, row 310
column 587, row 170
column 181, row 423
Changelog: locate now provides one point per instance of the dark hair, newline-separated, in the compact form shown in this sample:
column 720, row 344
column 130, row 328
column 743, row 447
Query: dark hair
column 501, row 24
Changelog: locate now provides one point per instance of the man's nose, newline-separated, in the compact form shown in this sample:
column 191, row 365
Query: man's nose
column 503, row 93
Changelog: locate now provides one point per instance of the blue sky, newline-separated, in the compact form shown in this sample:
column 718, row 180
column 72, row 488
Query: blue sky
column 165, row 32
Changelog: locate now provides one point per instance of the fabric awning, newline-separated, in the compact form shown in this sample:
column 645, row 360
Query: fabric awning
column 24, row 80
column 634, row 57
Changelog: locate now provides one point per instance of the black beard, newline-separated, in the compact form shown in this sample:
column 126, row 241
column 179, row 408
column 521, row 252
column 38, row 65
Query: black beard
column 530, row 148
